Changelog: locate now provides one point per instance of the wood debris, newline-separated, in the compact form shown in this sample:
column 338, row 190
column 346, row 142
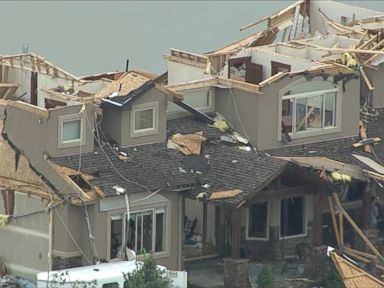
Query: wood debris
column 224, row 194
column 352, row 275
column 188, row 144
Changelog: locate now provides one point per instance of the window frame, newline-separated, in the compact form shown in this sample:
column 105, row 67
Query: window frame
column 70, row 143
column 166, row 225
column 305, row 218
column 313, row 132
column 247, row 237
column 155, row 119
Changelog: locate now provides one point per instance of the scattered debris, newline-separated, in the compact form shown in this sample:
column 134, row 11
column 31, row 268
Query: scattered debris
column 119, row 190
column 181, row 170
column 352, row 275
column 228, row 138
column 4, row 219
column 224, row 194
column 245, row 148
column 201, row 196
column 206, row 186
column 234, row 161
column 187, row 144
column 220, row 123
column 341, row 177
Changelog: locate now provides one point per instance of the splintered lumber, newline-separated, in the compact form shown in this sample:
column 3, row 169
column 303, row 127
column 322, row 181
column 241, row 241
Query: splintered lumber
column 352, row 275
column 367, row 141
column 366, row 80
column 363, row 135
column 357, row 229
column 335, row 226
column 224, row 194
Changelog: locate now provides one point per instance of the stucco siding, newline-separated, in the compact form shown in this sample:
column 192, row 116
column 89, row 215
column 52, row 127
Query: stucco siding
column 268, row 116
column 24, row 233
column 244, row 117
column 151, row 96
column 376, row 77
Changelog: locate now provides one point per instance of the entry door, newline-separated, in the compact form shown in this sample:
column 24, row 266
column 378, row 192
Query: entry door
column 254, row 73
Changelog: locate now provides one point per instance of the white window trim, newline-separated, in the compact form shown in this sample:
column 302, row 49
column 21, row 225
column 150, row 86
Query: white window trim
column 314, row 132
column 148, row 131
column 305, row 219
column 70, row 143
column 167, row 226
column 247, row 237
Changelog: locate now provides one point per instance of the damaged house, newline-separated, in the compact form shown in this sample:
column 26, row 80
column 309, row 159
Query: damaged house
column 310, row 94
column 230, row 153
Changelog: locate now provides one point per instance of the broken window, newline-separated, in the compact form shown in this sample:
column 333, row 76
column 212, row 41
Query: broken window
column 71, row 131
column 145, row 232
column 242, row 69
column 258, row 220
column 292, row 216
column 277, row 67
column 305, row 108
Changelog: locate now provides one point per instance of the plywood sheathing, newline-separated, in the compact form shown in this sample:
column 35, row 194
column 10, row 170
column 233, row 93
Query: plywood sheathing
column 35, row 63
column 126, row 84
column 188, row 144
column 352, row 275
column 224, row 194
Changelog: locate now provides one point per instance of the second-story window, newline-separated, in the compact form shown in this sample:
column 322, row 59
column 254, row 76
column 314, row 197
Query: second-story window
column 71, row 131
column 309, row 107
column 144, row 119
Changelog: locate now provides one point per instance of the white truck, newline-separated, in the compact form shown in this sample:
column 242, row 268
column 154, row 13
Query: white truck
column 104, row 275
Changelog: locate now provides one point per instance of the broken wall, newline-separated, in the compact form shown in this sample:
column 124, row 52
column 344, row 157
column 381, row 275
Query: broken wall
column 46, row 82
column 179, row 72
column 202, row 99
column 265, row 58
column 335, row 10
column 23, row 78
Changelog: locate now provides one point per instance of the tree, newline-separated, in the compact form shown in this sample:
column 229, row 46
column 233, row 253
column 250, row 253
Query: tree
column 147, row 275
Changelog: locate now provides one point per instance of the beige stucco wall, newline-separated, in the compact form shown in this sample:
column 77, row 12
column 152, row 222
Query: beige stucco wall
column 170, row 258
column 24, row 243
column 117, row 122
column 376, row 77
column 243, row 119
column 268, row 113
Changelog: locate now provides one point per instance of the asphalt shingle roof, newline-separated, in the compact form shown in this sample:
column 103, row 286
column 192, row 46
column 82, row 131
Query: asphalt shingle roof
column 340, row 149
column 156, row 166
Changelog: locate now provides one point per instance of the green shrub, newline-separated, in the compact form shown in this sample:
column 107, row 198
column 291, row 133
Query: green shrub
column 265, row 278
column 333, row 279
column 147, row 275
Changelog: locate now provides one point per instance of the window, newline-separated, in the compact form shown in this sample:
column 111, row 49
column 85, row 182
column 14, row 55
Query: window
column 304, row 108
column 292, row 217
column 71, row 131
column 257, row 225
column 145, row 232
column 144, row 119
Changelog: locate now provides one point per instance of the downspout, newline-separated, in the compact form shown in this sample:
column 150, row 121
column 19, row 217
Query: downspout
column 125, row 242
column 181, row 229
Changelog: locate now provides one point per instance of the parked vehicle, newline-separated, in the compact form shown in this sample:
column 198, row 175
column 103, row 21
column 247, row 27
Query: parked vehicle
column 104, row 275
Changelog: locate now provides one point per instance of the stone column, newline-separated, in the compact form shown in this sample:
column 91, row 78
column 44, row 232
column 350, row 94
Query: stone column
column 236, row 273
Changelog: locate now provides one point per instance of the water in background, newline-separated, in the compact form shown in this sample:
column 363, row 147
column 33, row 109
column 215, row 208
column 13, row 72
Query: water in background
column 87, row 37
